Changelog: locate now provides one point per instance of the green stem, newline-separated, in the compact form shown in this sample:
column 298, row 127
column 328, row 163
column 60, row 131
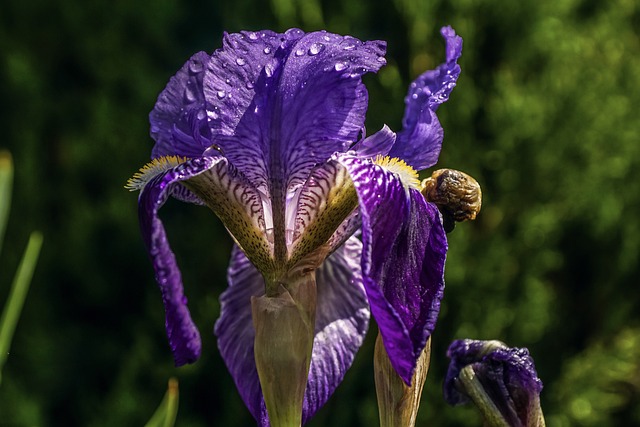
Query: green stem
column 17, row 295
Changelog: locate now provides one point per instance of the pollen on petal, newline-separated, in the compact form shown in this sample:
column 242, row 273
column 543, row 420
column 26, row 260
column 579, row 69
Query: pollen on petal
column 406, row 173
column 151, row 169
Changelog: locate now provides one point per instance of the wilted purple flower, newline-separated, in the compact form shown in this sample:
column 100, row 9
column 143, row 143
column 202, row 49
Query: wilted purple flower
column 501, row 381
column 267, row 132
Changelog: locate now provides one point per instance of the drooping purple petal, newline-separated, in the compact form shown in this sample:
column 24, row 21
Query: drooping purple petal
column 508, row 376
column 420, row 140
column 183, row 335
column 341, row 323
column 404, row 250
column 178, row 120
column 309, row 102
column 342, row 320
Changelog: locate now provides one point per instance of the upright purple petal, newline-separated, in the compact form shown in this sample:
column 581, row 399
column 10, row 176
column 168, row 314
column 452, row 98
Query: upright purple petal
column 420, row 140
column 341, row 323
column 403, row 256
column 309, row 102
column 231, row 75
column 184, row 337
column 378, row 143
column 178, row 120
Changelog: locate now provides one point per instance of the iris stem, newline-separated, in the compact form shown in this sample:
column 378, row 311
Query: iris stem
column 477, row 393
column 284, row 331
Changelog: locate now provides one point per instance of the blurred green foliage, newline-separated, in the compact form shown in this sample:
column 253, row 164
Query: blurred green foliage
column 545, row 116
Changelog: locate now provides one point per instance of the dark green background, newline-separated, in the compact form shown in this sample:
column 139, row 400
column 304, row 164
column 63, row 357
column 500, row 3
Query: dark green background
column 545, row 116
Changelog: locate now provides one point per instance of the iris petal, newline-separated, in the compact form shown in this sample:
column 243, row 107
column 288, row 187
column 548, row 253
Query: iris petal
column 177, row 120
column 404, row 250
column 239, row 206
column 377, row 144
column 309, row 102
column 341, row 323
column 420, row 140
column 184, row 337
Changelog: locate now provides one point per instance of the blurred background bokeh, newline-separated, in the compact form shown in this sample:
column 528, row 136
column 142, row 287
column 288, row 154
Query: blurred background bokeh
column 545, row 116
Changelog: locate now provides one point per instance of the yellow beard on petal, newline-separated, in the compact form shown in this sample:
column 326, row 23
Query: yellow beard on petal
column 406, row 173
column 151, row 169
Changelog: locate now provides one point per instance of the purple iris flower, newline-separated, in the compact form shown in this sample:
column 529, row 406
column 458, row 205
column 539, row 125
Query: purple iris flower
column 502, row 381
column 267, row 132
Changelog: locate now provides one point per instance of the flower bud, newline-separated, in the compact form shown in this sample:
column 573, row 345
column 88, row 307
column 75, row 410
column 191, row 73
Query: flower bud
column 501, row 381
column 457, row 195
column 398, row 403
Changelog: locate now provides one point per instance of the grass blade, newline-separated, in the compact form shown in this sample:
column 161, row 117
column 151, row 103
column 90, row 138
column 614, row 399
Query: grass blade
column 17, row 295
column 6, row 181
column 165, row 415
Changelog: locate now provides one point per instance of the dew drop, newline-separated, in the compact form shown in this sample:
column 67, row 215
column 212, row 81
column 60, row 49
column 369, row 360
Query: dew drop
column 196, row 66
column 249, row 85
column 315, row 49
column 268, row 70
column 240, row 61
column 201, row 114
column 267, row 50
column 299, row 52
column 340, row 66
column 189, row 94
column 253, row 36
column 327, row 38
column 382, row 59
column 221, row 94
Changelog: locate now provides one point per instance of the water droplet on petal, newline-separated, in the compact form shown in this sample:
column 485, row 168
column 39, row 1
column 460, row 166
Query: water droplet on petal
column 249, row 85
column 240, row 61
column 414, row 96
column 268, row 70
column 253, row 36
column 340, row 66
column 316, row 48
column 189, row 93
column 201, row 114
column 195, row 66
column 382, row 59
column 299, row 52
column 221, row 94
column 327, row 38
column 267, row 50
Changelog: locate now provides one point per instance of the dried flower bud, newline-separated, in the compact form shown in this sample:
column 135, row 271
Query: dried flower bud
column 457, row 195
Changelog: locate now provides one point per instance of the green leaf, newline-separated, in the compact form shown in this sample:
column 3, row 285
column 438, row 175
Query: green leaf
column 6, row 180
column 17, row 295
column 165, row 415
